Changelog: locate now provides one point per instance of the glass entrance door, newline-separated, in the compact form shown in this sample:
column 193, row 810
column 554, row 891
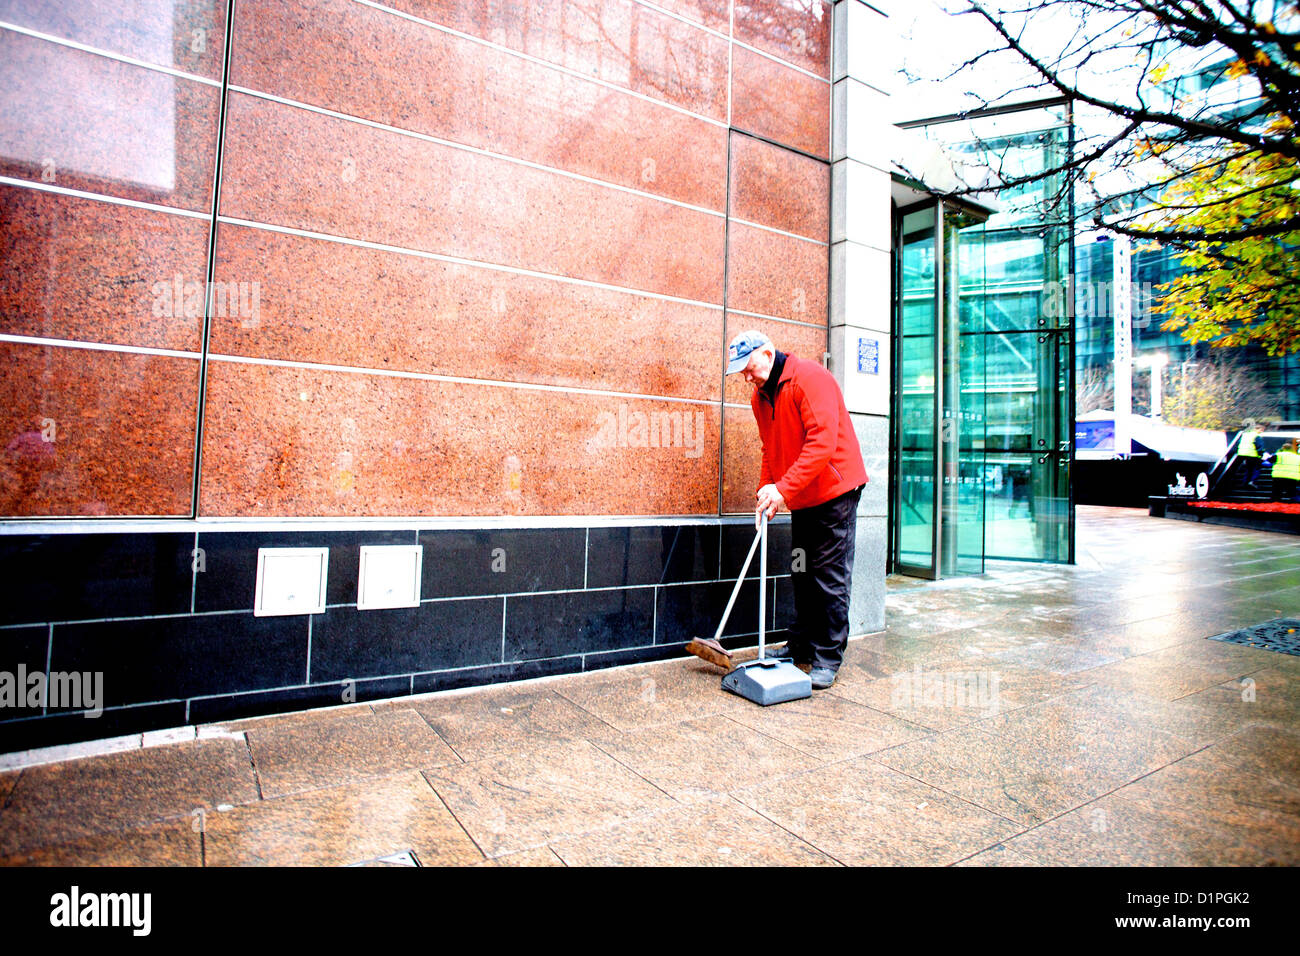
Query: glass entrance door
column 1027, row 361
column 938, row 491
column 1028, row 451
column 916, row 427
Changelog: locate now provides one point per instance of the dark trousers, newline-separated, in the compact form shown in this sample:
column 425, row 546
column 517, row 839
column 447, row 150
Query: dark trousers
column 1251, row 468
column 1284, row 489
column 822, row 540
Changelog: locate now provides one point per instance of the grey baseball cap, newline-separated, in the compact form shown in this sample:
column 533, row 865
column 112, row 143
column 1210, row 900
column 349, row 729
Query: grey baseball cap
column 741, row 347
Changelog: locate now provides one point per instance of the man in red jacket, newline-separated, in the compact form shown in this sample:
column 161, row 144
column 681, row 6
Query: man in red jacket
column 813, row 466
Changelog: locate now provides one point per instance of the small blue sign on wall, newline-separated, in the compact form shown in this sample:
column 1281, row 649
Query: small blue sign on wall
column 869, row 356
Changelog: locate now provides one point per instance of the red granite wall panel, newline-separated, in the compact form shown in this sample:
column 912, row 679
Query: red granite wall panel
column 617, row 41
column 365, row 62
column 186, row 35
column 797, row 31
column 78, row 120
column 91, row 271
column 341, row 178
column 547, row 215
column 779, row 188
column 338, row 304
column 742, row 456
column 95, row 433
column 780, row 103
column 714, row 14
column 776, row 274
column 283, row 440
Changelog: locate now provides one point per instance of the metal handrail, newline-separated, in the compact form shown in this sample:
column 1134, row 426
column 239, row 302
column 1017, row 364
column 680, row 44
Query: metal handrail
column 1223, row 465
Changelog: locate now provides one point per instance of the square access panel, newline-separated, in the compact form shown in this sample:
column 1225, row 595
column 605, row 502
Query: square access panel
column 389, row 576
column 290, row 581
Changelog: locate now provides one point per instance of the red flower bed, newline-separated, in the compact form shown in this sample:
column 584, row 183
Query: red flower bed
column 1273, row 507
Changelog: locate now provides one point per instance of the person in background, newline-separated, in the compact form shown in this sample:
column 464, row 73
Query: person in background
column 812, row 465
column 1248, row 452
column 1286, row 472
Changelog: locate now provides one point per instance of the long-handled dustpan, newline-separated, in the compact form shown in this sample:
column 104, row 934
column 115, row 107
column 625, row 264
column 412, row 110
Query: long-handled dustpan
column 765, row 680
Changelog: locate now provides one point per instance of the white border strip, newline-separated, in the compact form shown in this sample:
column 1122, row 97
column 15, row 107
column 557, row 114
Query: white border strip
column 350, row 369
column 684, row 19
column 780, row 232
column 786, row 63
column 396, row 373
column 165, row 525
column 732, row 37
column 102, row 197
column 346, row 240
column 460, row 261
column 118, row 57
column 776, row 318
column 454, row 379
column 97, row 346
column 476, row 150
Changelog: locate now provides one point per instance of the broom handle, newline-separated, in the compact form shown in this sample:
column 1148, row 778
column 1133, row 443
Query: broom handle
column 762, row 590
column 739, row 581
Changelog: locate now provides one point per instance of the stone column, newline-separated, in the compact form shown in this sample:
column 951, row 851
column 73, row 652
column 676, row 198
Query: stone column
column 864, row 72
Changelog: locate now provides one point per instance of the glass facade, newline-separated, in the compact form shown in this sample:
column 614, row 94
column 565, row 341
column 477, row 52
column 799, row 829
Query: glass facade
column 1153, row 267
column 939, row 501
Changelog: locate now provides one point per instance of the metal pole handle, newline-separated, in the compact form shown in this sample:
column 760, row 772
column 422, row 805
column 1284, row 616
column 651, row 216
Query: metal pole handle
column 762, row 590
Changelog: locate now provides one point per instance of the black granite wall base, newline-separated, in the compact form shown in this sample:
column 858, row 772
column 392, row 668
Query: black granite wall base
column 165, row 620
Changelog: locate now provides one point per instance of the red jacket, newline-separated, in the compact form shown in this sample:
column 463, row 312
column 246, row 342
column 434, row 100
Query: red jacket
column 810, row 450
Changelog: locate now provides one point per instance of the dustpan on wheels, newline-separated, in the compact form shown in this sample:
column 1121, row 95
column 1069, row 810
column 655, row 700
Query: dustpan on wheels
column 764, row 680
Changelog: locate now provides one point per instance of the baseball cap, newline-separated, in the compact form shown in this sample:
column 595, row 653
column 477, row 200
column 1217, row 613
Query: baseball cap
column 741, row 347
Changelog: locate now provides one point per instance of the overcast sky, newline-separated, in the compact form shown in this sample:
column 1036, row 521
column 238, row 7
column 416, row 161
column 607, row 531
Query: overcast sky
column 936, row 39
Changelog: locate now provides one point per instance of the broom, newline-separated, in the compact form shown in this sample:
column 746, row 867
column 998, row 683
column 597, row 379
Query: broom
column 710, row 648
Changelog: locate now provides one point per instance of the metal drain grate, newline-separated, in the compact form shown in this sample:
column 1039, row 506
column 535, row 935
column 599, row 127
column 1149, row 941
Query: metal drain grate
column 402, row 858
column 1281, row 635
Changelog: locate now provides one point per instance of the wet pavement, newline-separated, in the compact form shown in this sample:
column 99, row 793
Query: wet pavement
column 1035, row 715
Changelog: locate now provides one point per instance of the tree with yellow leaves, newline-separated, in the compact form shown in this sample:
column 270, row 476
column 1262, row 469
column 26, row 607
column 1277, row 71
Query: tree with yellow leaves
column 1242, row 291
column 1185, row 117
column 1176, row 105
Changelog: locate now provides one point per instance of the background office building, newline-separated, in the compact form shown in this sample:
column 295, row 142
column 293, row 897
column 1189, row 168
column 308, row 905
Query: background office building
column 1155, row 351
column 1163, row 363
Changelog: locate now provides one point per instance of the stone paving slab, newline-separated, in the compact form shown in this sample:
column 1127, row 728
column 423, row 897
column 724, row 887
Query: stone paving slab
column 521, row 801
column 292, row 754
column 861, row 812
column 703, row 758
column 339, row 826
column 492, row 722
column 64, row 802
column 168, row 843
column 720, row 831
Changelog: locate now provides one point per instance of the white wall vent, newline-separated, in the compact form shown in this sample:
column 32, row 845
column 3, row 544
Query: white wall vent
column 389, row 576
column 290, row 581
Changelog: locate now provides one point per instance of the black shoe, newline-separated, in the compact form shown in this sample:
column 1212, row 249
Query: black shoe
column 786, row 651
column 822, row 677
